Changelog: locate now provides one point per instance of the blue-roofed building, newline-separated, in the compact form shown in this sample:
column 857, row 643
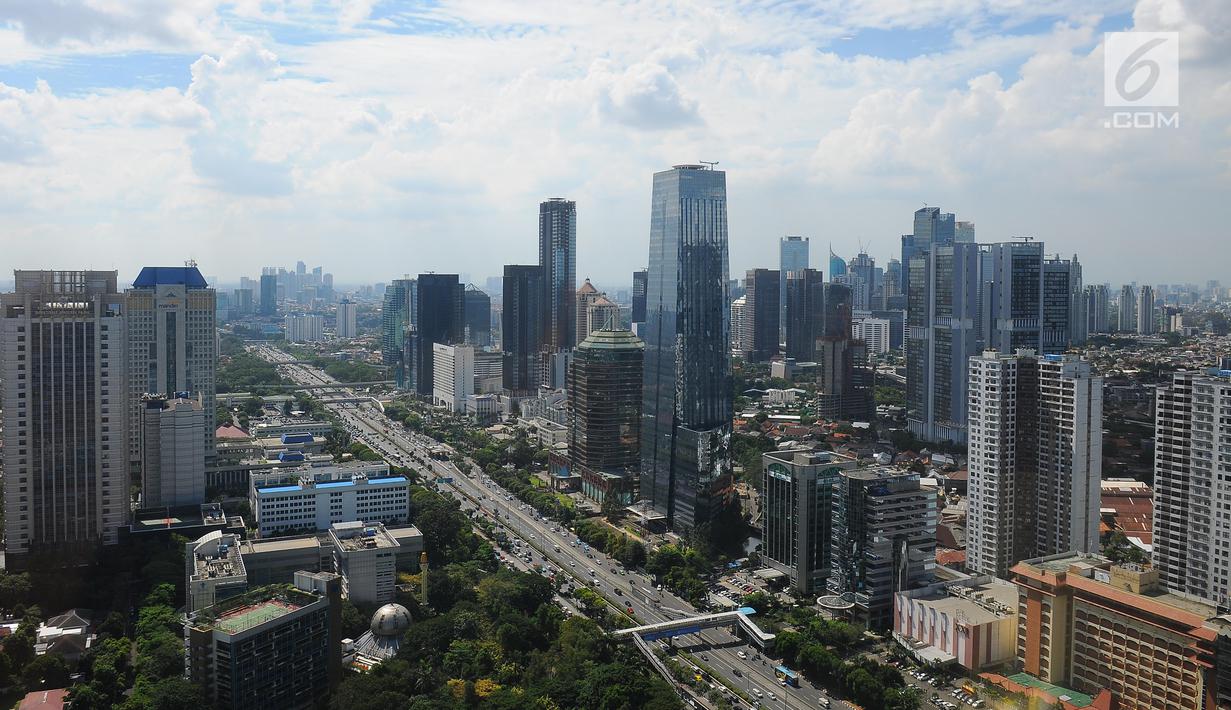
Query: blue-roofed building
column 314, row 497
column 172, row 347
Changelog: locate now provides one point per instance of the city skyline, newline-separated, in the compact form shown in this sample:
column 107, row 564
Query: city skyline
column 252, row 130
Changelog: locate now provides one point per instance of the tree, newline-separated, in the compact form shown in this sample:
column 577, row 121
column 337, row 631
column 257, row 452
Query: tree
column 45, row 672
column 14, row 589
column 286, row 408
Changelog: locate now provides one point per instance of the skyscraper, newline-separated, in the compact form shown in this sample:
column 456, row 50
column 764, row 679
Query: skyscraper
column 796, row 513
column 941, row 334
column 686, row 416
column 478, row 317
column 1035, row 458
column 844, row 381
column 394, row 317
column 761, row 314
column 739, row 314
column 63, row 393
column 932, row 228
column 1013, row 296
column 964, row 232
column 1097, row 309
column 1128, row 309
column 269, row 295
column 345, row 325
column 438, row 318
column 1064, row 305
column 602, row 314
column 837, row 265
column 558, row 258
column 640, row 286
column 604, row 384
column 792, row 256
column 1192, row 481
column 172, row 346
column 172, row 443
column 522, row 324
column 586, row 294
column 1147, row 324
column 805, row 313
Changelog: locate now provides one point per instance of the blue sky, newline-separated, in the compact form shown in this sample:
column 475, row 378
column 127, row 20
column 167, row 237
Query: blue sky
column 382, row 138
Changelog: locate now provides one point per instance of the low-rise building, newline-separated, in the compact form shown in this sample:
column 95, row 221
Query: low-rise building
column 365, row 554
column 312, row 498
column 969, row 621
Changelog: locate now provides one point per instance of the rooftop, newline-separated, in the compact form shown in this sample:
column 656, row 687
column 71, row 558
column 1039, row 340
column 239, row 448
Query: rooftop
column 250, row 615
column 151, row 276
column 355, row 536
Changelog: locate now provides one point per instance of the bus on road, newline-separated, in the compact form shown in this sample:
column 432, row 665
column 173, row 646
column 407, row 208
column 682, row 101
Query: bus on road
column 786, row 676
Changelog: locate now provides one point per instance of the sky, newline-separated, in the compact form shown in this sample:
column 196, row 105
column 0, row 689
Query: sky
column 385, row 138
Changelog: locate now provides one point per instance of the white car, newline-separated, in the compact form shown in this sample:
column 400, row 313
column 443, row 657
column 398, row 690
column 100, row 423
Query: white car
column 743, row 656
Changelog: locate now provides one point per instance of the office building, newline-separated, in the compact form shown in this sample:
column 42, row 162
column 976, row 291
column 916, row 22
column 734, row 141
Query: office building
column 172, row 445
column 805, row 313
column 478, row 307
column 214, row 570
column 269, row 294
column 603, row 314
column 1035, row 458
column 1013, row 296
column 586, row 295
column 1097, row 309
column 864, row 281
column 522, row 324
column 837, row 265
column 1091, row 625
column 686, row 415
column 452, row 375
column 738, row 318
column 844, row 382
column 172, row 345
column 893, row 282
column 304, row 328
column 942, row 332
column 931, row 228
column 883, row 539
column 241, row 302
column 874, row 332
column 438, row 319
column 640, row 286
column 796, row 514
column 63, row 352
column 971, row 622
column 1192, row 481
column 488, row 371
column 345, row 326
column 1064, row 304
column 792, row 256
column 761, row 312
column 604, row 406
column 365, row 555
column 964, row 232
column 394, row 317
column 558, row 259
column 1128, row 309
column 273, row 647
column 1147, row 321
column 309, row 498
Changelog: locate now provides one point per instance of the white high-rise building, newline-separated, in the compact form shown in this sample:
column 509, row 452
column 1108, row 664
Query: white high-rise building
column 63, row 394
column 172, row 346
column 173, row 451
column 452, row 375
column 1146, row 324
column 874, row 332
column 1192, row 484
column 1035, row 458
column 1128, row 309
column 739, row 308
column 305, row 329
column 347, row 312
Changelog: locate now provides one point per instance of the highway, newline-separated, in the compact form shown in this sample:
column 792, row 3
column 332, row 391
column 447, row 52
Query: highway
column 717, row 649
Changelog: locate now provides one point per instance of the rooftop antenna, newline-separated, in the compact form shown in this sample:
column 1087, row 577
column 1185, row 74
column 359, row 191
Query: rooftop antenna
column 710, row 163
column 191, row 263
column 1025, row 239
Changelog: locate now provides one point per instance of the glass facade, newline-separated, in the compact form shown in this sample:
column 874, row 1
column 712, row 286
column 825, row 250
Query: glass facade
column 792, row 256
column 558, row 258
column 438, row 319
column 522, row 325
column 605, row 406
column 686, row 412
column 805, row 313
column 761, row 314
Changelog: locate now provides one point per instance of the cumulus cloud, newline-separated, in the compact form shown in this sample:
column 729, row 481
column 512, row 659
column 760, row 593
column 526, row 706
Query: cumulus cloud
column 21, row 138
column 645, row 95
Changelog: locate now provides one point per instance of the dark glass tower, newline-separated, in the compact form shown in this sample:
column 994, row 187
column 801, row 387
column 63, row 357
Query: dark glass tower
column 558, row 258
column 478, row 307
column 640, row 282
column 438, row 319
column 522, row 325
column 269, row 295
column 762, row 313
column 686, row 430
column 805, row 313
column 604, row 384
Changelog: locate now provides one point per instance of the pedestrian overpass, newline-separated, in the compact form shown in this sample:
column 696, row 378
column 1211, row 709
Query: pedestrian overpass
column 739, row 619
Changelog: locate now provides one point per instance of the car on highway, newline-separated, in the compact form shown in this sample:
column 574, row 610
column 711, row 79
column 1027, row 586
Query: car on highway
column 742, row 656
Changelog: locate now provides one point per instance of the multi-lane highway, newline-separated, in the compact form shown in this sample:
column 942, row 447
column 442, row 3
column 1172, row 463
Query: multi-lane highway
column 739, row 665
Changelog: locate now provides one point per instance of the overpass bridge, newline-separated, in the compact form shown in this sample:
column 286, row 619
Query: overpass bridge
column 331, row 385
column 695, row 624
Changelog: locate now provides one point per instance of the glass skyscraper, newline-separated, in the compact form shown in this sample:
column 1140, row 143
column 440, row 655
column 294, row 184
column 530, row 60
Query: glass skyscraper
column 558, row 257
column 792, row 256
column 686, row 431
column 521, row 329
column 439, row 314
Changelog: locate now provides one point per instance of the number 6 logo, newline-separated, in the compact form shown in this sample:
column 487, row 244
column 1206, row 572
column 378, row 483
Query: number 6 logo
column 1141, row 69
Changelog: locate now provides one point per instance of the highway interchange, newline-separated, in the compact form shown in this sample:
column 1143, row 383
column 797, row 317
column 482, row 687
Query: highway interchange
column 716, row 649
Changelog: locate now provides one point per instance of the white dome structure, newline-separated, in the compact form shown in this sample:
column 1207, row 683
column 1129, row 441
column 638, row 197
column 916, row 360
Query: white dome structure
column 391, row 620
column 383, row 637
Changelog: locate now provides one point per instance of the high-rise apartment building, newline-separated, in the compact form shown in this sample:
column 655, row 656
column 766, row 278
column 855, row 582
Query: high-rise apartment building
column 686, row 415
column 739, row 317
column 1128, row 309
column 792, row 256
column 1098, row 308
column 797, row 512
column 586, row 294
column 439, row 314
column 761, row 315
column 1035, row 458
column 883, row 539
column 172, row 346
column 347, row 319
column 874, row 332
column 942, row 332
column 269, row 294
column 522, row 324
column 1064, row 305
column 241, row 302
column 1192, row 482
column 172, row 445
column 304, row 328
column 1147, row 322
column 272, row 647
column 604, row 440
column 805, row 313
column 558, row 259
column 1013, row 296
column 452, row 375
column 640, row 287
column 63, row 349
column 478, row 307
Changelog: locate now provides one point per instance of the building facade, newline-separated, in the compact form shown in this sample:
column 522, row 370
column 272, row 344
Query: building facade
column 1098, row 307
column 874, row 332
column 686, row 414
column 761, row 315
column 347, row 318
column 604, row 436
column 269, row 294
column 1128, row 309
column 452, row 375
column 1147, row 322
column 586, row 295
column 558, row 259
column 1012, row 300
column 522, row 325
column 304, row 328
column 314, row 497
column 365, row 555
column 478, row 317
column 640, row 287
column 439, row 311
column 804, row 311
column 1064, row 305
column 796, row 514
column 792, row 256
column 173, row 434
